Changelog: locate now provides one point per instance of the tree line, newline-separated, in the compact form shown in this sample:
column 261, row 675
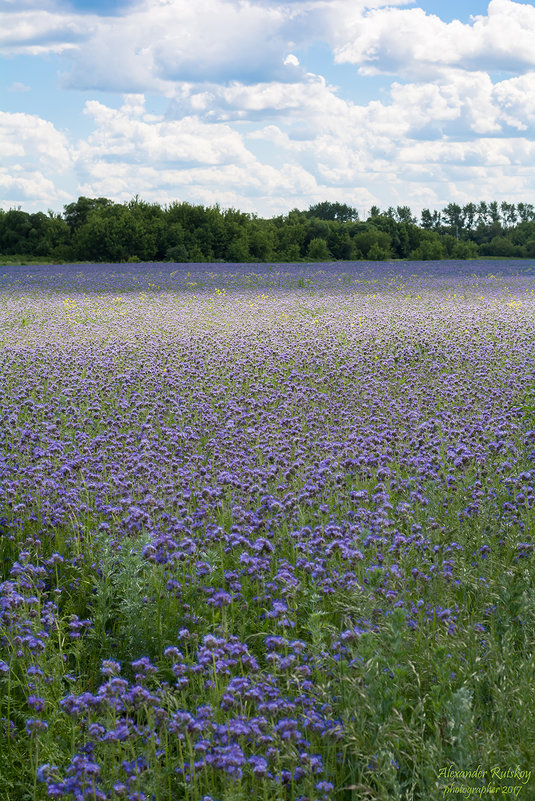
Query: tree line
column 100, row 230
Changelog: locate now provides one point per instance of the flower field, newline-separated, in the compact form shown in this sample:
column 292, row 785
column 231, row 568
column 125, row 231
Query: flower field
column 267, row 532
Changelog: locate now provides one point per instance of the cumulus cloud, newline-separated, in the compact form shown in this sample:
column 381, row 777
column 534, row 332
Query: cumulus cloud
column 153, row 44
column 160, row 43
column 36, row 32
column 413, row 43
column 516, row 99
column 458, row 137
column 164, row 159
column 18, row 86
column 425, row 145
column 31, row 188
column 311, row 96
column 291, row 60
column 131, row 135
column 34, row 138
column 35, row 157
column 246, row 125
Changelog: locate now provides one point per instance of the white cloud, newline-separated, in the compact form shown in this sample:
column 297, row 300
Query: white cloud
column 309, row 97
column 425, row 145
column 217, row 39
column 132, row 135
column 34, row 157
column 412, row 149
column 33, row 189
column 260, row 189
column 131, row 152
column 459, row 105
column 159, row 43
column 35, row 32
column 516, row 98
column 18, row 86
column 247, row 126
column 155, row 43
column 413, row 43
column 291, row 60
column 415, row 147
column 36, row 139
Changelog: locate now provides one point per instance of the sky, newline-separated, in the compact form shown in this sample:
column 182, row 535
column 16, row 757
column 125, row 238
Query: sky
column 267, row 106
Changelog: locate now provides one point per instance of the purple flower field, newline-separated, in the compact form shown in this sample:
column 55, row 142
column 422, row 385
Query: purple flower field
column 267, row 532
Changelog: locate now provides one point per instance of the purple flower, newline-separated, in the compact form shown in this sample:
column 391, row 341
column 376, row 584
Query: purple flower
column 110, row 668
column 324, row 787
column 36, row 702
column 260, row 765
column 143, row 666
column 34, row 725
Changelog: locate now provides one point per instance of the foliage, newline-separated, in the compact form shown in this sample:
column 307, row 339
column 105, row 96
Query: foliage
column 99, row 230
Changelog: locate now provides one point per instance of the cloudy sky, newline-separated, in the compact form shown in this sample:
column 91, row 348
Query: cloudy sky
column 266, row 106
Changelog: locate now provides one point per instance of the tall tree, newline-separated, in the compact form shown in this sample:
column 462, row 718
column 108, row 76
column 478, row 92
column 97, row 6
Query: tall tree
column 333, row 211
column 76, row 214
column 509, row 214
column 452, row 216
column 526, row 212
column 430, row 219
column 404, row 215
column 483, row 217
column 469, row 214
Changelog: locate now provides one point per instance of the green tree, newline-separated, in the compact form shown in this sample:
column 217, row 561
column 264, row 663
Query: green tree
column 429, row 247
column 464, row 249
column 149, row 222
column 372, row 244
column 111, row 233
column 500, row 246
column 404, row 215
column 526, row 212
column 522, row 236
column 469, row 215
column 236, row 244
column 54, row 238
column 339, row 242
column 403, row 236
column 333, row 211
column 96, row 229
column 317, row 250
column 291, row 234
column 238, row 247
column 430, row 219
column 494, row 212
column 317, row 229
column 174, row 243
column 453, row 218
column 76, row 214
column 483, row 216
column 262, row 239
column 509, row 214
column 14, row 232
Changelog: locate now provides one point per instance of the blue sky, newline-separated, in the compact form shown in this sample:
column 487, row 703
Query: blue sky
column 267, row 106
